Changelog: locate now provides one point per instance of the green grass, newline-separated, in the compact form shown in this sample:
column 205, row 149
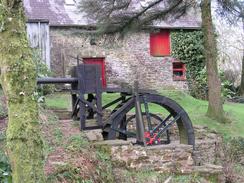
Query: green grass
column 104, row 168
column 147, row 175
column 198, row 108
column 77, row 143
column 63, row 100
column 58, row 101
column 194, row 107
column 58, row 134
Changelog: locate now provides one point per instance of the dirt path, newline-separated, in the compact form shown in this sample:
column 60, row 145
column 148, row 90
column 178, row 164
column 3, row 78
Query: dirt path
column 69, row 152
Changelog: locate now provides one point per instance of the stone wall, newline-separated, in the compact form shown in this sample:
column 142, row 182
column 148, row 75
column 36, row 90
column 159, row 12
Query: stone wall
column 173, row 158
column 126, row 59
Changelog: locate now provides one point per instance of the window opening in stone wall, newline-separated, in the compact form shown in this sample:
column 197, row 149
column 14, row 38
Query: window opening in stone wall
column 160, row 43
column 101, row 62
column 179, row 71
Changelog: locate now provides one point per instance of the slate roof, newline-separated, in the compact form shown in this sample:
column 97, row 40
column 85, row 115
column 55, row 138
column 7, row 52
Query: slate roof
column 58, row 13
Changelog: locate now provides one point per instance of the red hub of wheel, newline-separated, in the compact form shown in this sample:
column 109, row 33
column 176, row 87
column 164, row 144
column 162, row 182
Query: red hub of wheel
column 151, row 139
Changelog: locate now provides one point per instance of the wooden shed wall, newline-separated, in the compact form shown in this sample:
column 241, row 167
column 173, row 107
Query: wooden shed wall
column 39, row 38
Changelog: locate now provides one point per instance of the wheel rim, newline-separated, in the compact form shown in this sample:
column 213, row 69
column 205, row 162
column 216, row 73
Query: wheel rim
column 185, row 129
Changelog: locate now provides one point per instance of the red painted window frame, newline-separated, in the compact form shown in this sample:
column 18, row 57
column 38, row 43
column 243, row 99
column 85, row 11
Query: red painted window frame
column 160, row 45
column 180, row 68
column 99, row 61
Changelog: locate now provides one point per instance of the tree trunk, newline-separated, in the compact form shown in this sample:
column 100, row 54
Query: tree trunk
column 241, row 90
column 18, row 79
column 215, row 106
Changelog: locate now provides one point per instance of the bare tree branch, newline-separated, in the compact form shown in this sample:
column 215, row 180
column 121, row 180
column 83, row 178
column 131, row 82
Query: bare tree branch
column 232, row 10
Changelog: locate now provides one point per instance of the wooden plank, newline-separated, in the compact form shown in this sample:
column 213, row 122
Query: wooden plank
column 99, row 95
column 81, row 87
column 38, row 37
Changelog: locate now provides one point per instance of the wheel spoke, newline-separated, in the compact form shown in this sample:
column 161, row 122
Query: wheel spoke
column 125, row 132
column 150, row 135
column 169, row 124
column 163, row 123
column 149, row 123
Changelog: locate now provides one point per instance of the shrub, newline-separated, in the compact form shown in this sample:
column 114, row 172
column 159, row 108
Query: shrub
column 235, row 148
column 5, row 170
column 228, row 89
column 233, row 158
column 42, row 71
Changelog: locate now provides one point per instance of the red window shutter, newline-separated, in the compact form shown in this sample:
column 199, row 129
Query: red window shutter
column 160, row 43
column 99, row 61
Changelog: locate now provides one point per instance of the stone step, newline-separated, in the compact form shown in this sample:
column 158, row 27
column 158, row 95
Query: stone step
column 114, row 142
column 62, row 114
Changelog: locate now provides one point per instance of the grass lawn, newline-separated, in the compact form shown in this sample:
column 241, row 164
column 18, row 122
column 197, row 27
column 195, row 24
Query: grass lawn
column 58, row 101
column 198, row 108
column 195, row 108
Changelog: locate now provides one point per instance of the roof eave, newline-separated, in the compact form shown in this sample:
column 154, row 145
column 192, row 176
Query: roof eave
column 156, row 27
column 37, row 20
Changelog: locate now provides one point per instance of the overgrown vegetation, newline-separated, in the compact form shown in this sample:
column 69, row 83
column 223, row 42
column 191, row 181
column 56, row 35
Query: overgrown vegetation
column 5, row 169
column 80, row 161
column 47, row 120
column 235, row 148
column 66, row 173
column 3, row 106
column 42, row 71
column 233, row 160
column 77, row 143
column 58, row 135
column 104, row 168
column 147, row 176
column 187, row 46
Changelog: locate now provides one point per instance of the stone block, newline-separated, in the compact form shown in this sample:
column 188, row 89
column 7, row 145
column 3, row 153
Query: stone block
column 161, row 158
column 94, row 135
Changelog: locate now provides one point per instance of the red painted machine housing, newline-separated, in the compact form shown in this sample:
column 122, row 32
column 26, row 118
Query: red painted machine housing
column 101, row 62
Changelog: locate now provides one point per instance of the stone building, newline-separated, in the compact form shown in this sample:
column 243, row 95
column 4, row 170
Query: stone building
column 65, row 35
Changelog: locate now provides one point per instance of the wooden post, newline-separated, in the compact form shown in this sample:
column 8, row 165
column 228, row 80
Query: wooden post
column 99, row 95
column 139, row 119
column 82, row 112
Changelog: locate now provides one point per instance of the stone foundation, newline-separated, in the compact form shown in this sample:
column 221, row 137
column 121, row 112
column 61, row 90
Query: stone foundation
column 162, row 158
column 173, row 158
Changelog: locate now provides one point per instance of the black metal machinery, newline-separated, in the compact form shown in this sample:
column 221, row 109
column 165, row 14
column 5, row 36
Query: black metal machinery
column 140, row 114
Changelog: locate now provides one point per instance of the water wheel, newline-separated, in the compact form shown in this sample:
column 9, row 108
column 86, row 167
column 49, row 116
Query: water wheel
column 160, row 116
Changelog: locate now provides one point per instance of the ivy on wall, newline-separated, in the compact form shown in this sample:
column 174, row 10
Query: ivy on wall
column 187, row 46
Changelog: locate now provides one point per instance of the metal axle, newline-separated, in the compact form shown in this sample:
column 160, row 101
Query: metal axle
column 56, row 80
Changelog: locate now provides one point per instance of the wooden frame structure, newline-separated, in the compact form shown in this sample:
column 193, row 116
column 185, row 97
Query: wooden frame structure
column 86, row 80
